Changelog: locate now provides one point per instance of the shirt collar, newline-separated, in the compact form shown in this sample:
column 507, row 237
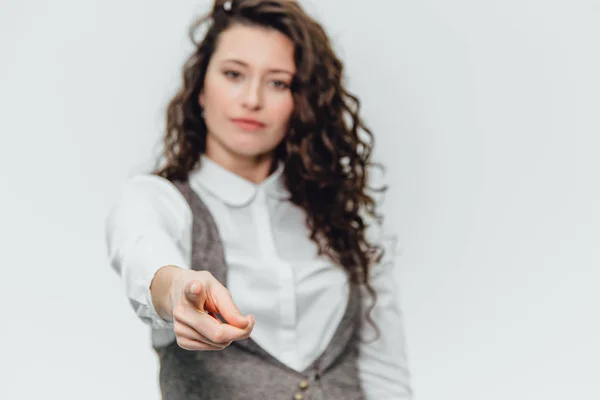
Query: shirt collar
column 233, row 189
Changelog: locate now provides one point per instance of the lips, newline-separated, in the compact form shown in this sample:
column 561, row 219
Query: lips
column 247, row 124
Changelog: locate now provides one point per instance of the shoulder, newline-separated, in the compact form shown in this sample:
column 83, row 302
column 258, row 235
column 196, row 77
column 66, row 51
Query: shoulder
column 148, row 193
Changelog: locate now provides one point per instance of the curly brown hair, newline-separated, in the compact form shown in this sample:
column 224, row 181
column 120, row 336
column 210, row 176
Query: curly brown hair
column 327, row 149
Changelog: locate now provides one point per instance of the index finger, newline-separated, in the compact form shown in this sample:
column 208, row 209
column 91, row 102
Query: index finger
column 219, row 301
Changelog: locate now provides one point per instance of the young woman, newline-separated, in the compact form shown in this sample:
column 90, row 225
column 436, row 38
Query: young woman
column 253, row 250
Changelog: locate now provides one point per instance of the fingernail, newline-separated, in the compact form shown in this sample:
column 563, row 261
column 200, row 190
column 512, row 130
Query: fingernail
column 194, row 288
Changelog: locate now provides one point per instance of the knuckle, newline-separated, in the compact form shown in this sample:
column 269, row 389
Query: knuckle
column 179, row 331
column 205, row 274
column 178, row 311
column 183, row 343
column 220, row 336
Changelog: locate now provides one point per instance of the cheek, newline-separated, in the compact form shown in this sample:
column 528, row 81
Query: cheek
column 281, row 111
column 217, row 94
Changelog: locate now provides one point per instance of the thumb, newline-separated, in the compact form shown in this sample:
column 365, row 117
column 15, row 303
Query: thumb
column 195, row 294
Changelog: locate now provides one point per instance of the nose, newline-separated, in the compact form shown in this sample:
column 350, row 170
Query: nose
column 252, row 97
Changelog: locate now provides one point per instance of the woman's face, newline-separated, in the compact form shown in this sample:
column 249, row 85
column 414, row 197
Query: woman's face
column 246, row 98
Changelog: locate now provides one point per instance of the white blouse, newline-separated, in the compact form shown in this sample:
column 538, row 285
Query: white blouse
column 274, row 271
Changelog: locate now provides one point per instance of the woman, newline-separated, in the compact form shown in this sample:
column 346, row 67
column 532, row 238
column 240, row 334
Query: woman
column 252, row 250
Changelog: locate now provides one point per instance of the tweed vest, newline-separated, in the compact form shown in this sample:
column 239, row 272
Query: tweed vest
column 244, row 370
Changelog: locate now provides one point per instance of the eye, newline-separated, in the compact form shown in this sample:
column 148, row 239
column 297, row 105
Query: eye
column 232, row 74
column 280, row 84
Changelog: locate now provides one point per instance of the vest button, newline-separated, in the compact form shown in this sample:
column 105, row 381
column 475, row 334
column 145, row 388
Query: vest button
column 303, row 384
column 298, row 396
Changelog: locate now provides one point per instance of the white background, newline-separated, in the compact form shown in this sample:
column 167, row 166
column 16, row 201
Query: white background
column 486, row 113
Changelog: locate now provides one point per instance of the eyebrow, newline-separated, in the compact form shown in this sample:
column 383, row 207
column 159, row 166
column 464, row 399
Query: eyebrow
column 243, row 64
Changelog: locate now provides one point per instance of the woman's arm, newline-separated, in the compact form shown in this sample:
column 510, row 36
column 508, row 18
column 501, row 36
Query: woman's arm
column 148, row 227
column 149, row 237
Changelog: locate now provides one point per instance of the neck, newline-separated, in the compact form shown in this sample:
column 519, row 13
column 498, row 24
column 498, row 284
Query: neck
column 254, row 169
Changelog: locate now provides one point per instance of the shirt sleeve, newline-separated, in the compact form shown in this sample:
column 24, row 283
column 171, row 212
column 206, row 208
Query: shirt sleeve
column 382, row 363
column 147, row 227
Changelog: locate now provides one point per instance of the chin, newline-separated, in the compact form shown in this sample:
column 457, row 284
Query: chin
column 244, row 146
column 251, row 151
column 252, row 148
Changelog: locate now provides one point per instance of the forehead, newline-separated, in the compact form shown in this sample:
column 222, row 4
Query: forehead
column 259, row 47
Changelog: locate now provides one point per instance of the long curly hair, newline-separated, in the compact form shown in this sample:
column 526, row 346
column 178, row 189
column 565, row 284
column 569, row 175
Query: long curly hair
column 327, row 149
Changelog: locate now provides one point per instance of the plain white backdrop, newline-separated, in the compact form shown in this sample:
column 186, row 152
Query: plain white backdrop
column 485, row 112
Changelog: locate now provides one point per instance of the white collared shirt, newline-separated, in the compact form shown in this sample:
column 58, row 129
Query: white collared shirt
column 274, row 271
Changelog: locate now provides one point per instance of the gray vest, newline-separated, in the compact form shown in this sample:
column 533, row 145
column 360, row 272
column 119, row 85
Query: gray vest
column 244, row 370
